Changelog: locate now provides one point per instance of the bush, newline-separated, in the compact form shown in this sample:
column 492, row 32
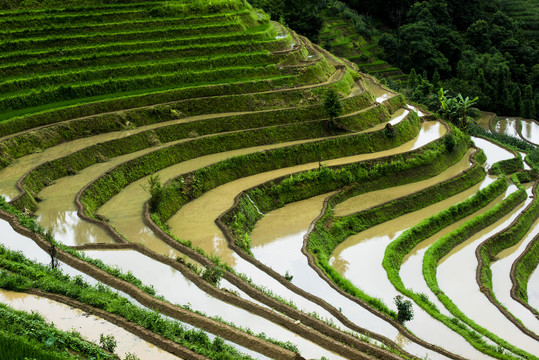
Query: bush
column 404, row 309
column 107, row 342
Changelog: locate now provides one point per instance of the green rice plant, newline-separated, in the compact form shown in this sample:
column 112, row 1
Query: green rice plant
column 149, row 35
column 102, row 297
column 510, row 236
column 445, row 244
column 262, row 36
column 126, row 84
column 42, row 338
column 207, row 93
column 211, row 176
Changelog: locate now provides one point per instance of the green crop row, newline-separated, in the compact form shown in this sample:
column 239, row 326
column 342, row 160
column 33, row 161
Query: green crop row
column 82, row 20
column 148, row 35
column 524, row 267
column 242, row 219
column 263, row 33
column 184, row 7
column 32, row 330
column 241, row 96
column 416, row 166
column 37, row 140
column 445, row 244
column 23, row 274
column 35, row 20
column 69, row 8
column 120, row 85
column 52, row 29
column 105, row 59
column 172, row 30
column 401, row 246
column 508, row 166
column 111, row 183
column 97, row 38
column 177, row 193
column 505, row 239
column 172, row 64
column 47, row 172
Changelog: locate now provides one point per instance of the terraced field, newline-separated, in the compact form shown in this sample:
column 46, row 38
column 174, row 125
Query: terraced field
column 525, row 11
column 177, row 163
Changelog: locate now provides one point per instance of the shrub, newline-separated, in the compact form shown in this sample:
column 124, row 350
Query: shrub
column 404, row 309
column 107, row 342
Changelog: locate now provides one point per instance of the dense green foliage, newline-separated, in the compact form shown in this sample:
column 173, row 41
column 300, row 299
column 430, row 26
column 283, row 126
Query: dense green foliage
column 469, row 48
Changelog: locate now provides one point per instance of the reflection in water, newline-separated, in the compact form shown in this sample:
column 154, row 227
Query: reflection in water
column 456, row 277
column 70, row 230
column 493, row 152
column 277, row 240
column 533, row 289
column 430, row 131
column 411, row 270
column 178, row 290
column 379, row 92
column 530, row 130
column 501, row 281
column 507, row 126
column 195, row 221
column 359, row 259
column 89, row 326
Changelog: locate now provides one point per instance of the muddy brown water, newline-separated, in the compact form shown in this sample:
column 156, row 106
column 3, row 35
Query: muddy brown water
column 359, row 259
column 411, row 270
column 379, row 92
column 195, row 221
column 485, row 119
column 12, row 173
column 89, row 326
column 501, row 281
column 456, row 277
column 277, row 240
column 124, row 209
column 530, row 130
column 373, row 198
column 57, row 211
column 175, row 288
column 16, row 242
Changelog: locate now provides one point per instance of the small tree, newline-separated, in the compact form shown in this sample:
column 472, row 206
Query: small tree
column 404, row 309
column 332, row 104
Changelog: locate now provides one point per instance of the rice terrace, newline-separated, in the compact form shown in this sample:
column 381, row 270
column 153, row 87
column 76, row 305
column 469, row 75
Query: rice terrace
column 191, row 179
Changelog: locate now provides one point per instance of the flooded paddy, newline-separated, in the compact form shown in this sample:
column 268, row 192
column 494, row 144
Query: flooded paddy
column 89, row 326
column 195, row 221
column 533, row 289
column 507, row 126
column 374, row 198
column 175, row 288
column 411, row 270
column 493, row 152
column 359, row 259
column 277, row 240
column 456, row 277
column 501, row 281
column 530, row 130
